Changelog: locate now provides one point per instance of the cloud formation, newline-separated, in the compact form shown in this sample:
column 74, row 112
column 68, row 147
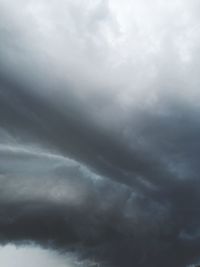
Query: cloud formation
column 99, row 129
column 21, row 256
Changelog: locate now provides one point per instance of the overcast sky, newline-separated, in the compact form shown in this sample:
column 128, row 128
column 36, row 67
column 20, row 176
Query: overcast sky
column 99, row 133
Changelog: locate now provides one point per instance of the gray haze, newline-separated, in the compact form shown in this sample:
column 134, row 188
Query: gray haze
column 100, row 129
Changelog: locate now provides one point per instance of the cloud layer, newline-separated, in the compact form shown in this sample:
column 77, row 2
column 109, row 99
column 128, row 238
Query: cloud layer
column 99, row 129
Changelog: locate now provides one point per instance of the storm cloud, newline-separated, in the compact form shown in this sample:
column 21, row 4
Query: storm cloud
column 99, row 130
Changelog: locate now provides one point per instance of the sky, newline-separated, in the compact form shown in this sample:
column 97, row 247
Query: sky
column 33, row 256
column 99, row 133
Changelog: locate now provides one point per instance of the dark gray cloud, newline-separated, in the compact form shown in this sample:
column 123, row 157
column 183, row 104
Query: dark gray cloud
column 99, row 134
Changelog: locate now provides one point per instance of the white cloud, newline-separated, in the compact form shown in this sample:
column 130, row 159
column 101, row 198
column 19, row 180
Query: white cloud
column 127, row 49
column 12, row 256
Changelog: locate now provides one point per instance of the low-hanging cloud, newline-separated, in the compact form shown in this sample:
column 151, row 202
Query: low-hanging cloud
column 99, row 129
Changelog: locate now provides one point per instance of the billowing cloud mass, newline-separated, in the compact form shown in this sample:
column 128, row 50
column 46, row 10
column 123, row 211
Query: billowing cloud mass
column 100, row 131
